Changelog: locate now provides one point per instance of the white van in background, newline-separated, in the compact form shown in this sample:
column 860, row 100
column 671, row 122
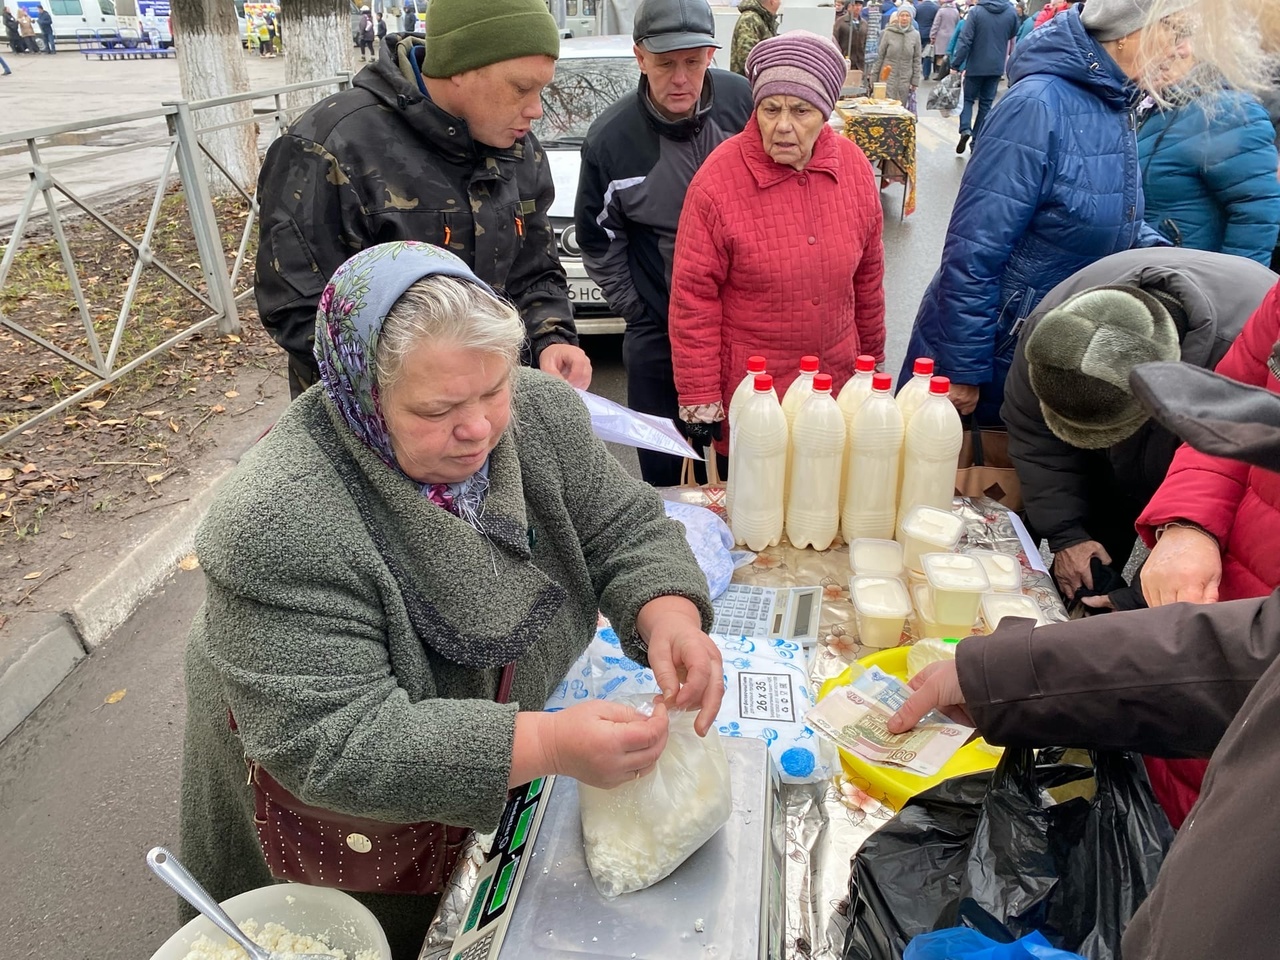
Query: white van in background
column 70, row 15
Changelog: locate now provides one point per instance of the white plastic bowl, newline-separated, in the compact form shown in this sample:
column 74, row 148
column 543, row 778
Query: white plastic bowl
column 331, row 915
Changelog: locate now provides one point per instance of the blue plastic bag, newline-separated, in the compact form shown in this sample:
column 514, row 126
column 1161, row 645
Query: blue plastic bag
column 961, row 943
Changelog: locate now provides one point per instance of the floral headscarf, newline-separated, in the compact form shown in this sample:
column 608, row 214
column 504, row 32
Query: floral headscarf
column 349, row 320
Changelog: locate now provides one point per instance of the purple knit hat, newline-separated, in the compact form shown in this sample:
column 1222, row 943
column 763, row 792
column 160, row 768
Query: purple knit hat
column 798, row 64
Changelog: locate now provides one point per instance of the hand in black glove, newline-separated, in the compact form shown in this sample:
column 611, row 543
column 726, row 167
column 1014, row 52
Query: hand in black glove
column 701, row 434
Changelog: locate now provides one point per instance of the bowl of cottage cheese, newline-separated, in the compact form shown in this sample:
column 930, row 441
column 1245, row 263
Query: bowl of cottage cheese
column 291, row 917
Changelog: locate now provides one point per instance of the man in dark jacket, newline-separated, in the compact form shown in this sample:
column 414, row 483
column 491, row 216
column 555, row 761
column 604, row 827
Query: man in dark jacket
column 431, row 143
column 981, row 52
column 850, row 33
column 1087, row 456
column 45, row 21
column 1182, row 680
column 926, row 10
column 637, row 161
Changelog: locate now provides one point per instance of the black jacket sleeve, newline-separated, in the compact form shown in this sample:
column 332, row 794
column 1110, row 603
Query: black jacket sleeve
column 1165, row 681
column 602, row 236
column 1053, row 473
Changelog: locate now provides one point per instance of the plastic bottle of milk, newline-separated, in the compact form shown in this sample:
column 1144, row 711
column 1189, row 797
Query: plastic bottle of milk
column 817, row 449
column 761, row 468
column 800, row 390
column 755, row 366
column 871, row 492
column 914, row 392
column 852, row 394
column 931, row 452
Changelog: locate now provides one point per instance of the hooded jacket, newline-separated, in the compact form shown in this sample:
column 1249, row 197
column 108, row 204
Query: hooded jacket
column 1053, row 186
column 1217, row 293
column 1209, row 174
column 945, row 22
column 984, row 39
column 381, row 162
column 636, row 167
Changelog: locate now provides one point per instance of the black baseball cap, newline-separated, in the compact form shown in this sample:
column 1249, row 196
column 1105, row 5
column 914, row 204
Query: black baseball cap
column 661, row 26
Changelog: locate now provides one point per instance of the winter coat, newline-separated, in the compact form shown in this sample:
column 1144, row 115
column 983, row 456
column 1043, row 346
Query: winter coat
column 754, row 24
column 1061, row 483
column 1053, row 185
column 778, row 262
column 382, row 162
column 926, row 11
column 850, row 35
column 944, row 25
column 900, row 51
column 984, row 39
column 1237, row 503
column 367, row 29
column 25, row 26
column 1025, row 28
column 636, row 167
column 887, row 10
column 45, row 20
column 382, row 29
column 1209, row 174
column 1181, row 680
column 324, row 636
column 1050, row 11
column 11, row 27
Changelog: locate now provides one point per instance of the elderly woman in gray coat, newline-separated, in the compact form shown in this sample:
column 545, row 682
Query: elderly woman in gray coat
column 900, row 52
column 426, row 515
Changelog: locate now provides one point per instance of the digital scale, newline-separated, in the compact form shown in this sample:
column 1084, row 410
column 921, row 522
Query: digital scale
column 535, row 897
column 789, row 613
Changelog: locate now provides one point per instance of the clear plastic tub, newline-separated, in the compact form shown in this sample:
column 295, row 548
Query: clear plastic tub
column 997, row 606
column 1003, row 569
column 958, row 582
column 927, row 622
column 875, row 558
column 928, row 530
column 882, row 607
column 930, row 650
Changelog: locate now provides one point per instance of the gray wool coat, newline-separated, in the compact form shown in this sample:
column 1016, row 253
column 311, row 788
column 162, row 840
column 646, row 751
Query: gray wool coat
column 336, row 625
column 900, row 50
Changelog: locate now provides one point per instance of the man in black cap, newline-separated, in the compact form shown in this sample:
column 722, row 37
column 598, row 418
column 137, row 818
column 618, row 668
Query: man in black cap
column 637, row 161
column 1087, row 454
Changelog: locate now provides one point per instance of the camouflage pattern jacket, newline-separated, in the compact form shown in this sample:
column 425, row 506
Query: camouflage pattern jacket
column 755, row 23
column 381, row 162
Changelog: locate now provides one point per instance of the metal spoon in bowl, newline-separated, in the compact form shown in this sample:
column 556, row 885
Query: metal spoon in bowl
column 169, row 869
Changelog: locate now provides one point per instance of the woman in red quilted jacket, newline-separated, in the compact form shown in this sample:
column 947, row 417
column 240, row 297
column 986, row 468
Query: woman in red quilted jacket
column 1214, row 529
column 779, row 248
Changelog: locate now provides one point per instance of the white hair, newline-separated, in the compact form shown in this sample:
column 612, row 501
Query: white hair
column 449, row 310
column 1240, row 38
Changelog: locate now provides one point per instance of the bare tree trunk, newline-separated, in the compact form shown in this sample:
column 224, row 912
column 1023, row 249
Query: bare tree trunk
column 319, row 36
column 210, row 64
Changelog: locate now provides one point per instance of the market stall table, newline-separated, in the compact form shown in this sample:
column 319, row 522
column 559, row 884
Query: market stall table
column 822, row 833
column 885, row 130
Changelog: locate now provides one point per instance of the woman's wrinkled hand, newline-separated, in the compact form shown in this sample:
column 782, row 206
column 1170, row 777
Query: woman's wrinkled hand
column 600, row 743
column 1073, row 566
column 1185, row 566
column 685, row 661
column 937, row 687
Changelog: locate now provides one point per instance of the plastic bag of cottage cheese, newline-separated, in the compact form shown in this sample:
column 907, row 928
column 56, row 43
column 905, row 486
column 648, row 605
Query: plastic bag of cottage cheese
column 638, row 833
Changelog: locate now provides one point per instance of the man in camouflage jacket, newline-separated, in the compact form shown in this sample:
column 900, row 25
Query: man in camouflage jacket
column 757, row 20
column 386, row 160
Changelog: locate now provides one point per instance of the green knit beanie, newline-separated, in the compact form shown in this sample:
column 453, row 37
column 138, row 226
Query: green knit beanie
column 465, row 35
column 1079, row 356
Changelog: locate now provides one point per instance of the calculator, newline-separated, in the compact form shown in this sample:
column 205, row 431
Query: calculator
column 787, row 613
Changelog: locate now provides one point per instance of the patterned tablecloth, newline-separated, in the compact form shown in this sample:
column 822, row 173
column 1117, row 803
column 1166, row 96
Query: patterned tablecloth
column 886, row 132
column 822, row 833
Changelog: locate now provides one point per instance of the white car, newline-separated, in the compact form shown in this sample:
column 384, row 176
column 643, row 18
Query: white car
column 591, row 74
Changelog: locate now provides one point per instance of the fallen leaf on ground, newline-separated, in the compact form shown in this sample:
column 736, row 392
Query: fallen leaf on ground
column 173, row 425
column 189, row 562
column 218, row 408
column 27, row 399
column 94, row 405
column 67, row 535
column 29, row 468
column 153, row 413
column 34, row 575
column 116, row 697
column 231, row 394
column 155, row 478
column 7, row 473
column 233, row 338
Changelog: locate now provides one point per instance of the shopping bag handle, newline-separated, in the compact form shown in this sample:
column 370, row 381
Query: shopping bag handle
column 971, row 424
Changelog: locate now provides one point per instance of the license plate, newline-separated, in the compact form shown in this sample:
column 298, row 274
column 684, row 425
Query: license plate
column 586, row 291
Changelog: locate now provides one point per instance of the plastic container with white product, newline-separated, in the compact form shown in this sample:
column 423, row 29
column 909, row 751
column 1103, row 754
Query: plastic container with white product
column 882, row 607
column 1003, row 569
column 800, row 390
column 997, row 606
column 930, row 650
column 928, row 530
column 817, row 448
column 758, row 513
column 957, row 582
column 931, row 452
column 915, row 390
column 755, row 367
column 871, row 491
column 852, row 396
column 927, row 622
column 875, row 558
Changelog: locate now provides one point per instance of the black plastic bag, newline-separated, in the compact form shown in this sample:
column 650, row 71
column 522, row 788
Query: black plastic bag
column 1076, row 871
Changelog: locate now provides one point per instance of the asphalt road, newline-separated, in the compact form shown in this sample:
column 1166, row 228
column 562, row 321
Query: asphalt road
column 87, row 787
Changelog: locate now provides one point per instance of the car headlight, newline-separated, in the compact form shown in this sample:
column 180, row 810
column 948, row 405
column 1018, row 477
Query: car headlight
column 569, row 241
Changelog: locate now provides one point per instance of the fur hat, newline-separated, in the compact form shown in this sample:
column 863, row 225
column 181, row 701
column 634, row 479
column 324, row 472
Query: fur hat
column 1079, row 357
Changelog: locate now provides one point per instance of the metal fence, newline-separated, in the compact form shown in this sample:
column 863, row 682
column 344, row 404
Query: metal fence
column 187, row 156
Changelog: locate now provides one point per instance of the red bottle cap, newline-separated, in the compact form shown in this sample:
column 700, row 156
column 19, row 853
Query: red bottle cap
column 808, row 364
column 756, row 365
column 865, row 364
column 882, row 383
column 764, row 383
column 940, row 385
column 822, row 383
column 923, row 367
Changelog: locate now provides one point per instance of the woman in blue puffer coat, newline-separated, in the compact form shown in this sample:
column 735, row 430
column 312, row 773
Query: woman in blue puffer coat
column 1209, row 170
column 1053, row 185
